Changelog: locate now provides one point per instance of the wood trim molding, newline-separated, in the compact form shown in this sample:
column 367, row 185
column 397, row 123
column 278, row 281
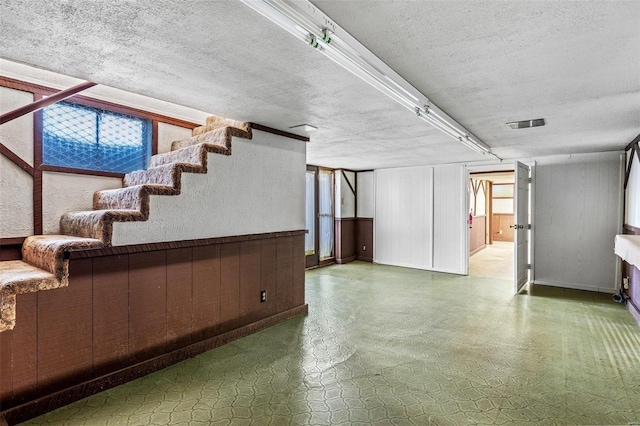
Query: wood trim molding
column 15, row 159
column 31, row 409
column 58, row 169
column 38, row 89
column 632, row 143
column 138, row 248
column 631, row 229
column 344, row 175
column 346, row 260
column 43, row 102
column 634, row 151
column 37, row 176
column 12, row 241
column 271, row 130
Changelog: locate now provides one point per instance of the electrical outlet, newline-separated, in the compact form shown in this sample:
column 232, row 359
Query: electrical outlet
column 364, row 248
column 263, row 296
column 625, row 283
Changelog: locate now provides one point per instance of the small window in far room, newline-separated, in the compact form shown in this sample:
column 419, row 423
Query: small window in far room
column 82, row 137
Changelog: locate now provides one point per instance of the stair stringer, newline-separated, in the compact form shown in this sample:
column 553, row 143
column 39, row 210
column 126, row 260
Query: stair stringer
column 256, row 190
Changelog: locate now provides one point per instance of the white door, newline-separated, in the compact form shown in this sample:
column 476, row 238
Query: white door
column 521, row 226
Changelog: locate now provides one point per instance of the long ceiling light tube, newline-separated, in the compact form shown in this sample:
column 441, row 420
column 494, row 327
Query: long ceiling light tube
column 307, row 23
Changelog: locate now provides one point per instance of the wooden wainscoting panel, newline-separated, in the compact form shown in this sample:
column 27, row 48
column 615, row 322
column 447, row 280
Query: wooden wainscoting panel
column 6, row 373
column 147, row 305
column 65, row 353
column 250, row 270
column 10, row 252
column 298, row 270
column 284, row 274
column 345, row 240
column 179, row 291
column 206, row 292
column 268, row 275
column 110, row 313
column 502, row 221
column 477, row 234
column 229, row 286
column 24, row 348
column 364, row 239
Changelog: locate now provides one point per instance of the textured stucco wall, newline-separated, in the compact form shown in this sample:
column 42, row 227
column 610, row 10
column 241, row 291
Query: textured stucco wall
column 259, row 188
column 16, row 186
column 366, row 194
column 632, row 216
column 168, row 133
column 16, row 201
column 345, row 201
column 64, row 192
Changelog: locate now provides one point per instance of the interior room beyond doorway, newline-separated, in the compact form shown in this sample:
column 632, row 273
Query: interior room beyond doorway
column 491, row 214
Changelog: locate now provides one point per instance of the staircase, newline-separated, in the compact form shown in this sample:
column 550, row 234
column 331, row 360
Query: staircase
column 43, row 265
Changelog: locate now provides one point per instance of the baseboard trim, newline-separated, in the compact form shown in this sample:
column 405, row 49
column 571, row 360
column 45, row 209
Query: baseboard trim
column 42, row 405
column 479, row 249
column 345, row 260
column 365, row 259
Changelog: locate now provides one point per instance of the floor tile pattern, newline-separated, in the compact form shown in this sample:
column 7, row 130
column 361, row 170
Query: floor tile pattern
column 393, row 346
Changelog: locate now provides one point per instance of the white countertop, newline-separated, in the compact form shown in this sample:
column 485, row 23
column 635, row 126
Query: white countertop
column 628, row 248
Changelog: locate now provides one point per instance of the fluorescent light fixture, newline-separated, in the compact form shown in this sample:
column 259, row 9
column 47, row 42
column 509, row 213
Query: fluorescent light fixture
column 307, row 23
column 308, row 128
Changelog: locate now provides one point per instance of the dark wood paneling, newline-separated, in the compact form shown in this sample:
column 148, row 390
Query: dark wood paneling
column 110, row 313
column 284, row 274
column 268, row 259
column 58, row 399
column 147, row 305
column 502, row 222
column 24, row 351
column 345, row 240
column 364, row 239
column 59, row 169
column 230, row 287
column 6, row 373
column 179, row 291
column 139, row 248
column 298, row 270
column 206, row 292
column 250, row 283
column 65, row 330
column 11, row 252
column 477, row 234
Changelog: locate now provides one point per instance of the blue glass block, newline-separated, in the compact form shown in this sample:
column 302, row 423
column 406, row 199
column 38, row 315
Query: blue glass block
column 81, row 137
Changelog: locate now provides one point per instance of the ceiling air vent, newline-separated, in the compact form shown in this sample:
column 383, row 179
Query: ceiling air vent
column 526, row 124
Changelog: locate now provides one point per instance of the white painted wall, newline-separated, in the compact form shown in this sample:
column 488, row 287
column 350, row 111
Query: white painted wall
column 366, row 194
column 260, row 188
column 65, row 192
column 16, row 185
column 16, row 200
column 577, row 213
column 345, row 200
column 632, row 215
column 168, row 133
column 450, row 215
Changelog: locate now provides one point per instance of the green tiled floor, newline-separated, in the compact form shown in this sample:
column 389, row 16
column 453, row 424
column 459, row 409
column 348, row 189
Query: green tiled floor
column 384, row 345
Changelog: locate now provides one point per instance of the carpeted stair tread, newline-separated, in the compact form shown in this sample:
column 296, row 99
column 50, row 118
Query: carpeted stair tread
column 130, row 197
column 43, row 264
column 215, row 140
column 97, row 224
column 216, row 122
column 47, row 251
column 18, row 277
column 166, row 174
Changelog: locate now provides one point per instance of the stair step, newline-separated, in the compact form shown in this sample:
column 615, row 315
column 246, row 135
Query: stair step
column 47, row 251
column 216, row 122
column 166, row 174
column 192, row 154
column 130, row 197
column 97, row 224
column 18, row 277
column 217, row 140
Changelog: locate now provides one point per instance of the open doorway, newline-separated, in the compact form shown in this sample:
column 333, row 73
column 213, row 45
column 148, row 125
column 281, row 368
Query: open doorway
column 491, row 224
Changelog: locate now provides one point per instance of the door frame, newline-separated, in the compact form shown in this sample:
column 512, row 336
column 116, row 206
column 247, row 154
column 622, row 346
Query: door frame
column 500, row 167
column 312, row 260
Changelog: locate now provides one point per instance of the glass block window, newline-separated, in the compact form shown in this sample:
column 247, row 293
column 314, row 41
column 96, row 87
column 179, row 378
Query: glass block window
column 82, row 137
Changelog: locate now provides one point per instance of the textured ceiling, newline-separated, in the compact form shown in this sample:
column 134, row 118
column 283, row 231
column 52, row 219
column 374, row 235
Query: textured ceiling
column 576, row 64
